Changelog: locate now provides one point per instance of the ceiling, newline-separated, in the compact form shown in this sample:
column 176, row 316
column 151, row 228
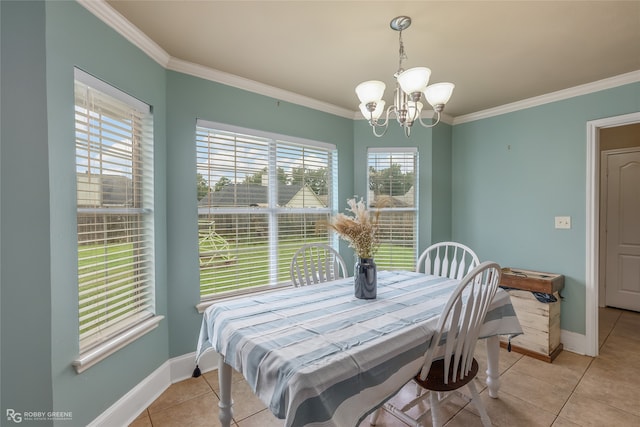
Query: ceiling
column 496, row 52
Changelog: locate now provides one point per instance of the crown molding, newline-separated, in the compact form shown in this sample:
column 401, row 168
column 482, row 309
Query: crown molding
column 103, row 11
column 254, row 86
column 608, row 83
column 114, row 19
column 445, row 118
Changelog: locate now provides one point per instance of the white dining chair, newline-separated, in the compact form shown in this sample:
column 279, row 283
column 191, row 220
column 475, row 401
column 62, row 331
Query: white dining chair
column 448, row 363
column 316, row 263
column 447, row 259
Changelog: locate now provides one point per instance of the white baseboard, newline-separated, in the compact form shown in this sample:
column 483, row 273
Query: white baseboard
column 136, row 400
column 573, row 342
column 182, row 366
column 129, row 406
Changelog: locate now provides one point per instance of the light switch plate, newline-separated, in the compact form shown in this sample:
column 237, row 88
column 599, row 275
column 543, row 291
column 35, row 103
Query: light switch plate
column 563, row 222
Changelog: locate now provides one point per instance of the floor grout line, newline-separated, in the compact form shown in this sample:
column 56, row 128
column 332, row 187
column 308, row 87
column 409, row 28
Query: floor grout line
column 588, row 367
column 616, row 320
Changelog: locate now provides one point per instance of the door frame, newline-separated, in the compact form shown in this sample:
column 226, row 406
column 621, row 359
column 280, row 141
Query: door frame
column 593, row 224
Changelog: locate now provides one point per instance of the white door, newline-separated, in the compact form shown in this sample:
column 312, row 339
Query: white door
column 622, row 275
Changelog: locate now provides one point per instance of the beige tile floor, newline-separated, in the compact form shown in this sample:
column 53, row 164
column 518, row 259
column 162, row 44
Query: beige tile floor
column 572, row 391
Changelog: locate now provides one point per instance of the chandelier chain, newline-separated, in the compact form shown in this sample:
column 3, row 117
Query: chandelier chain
column 402, row 54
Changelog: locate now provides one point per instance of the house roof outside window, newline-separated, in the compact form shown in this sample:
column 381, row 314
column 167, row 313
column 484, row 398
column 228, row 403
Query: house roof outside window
column 292, row 196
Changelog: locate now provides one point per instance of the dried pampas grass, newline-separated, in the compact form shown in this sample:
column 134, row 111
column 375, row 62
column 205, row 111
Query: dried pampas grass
column 361, row 230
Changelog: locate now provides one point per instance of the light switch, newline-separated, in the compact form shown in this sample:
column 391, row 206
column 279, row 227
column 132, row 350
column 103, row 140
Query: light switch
column 563, row 222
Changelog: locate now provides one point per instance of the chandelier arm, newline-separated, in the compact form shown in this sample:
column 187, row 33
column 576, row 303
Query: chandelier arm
column 384, row 130
column 423, row 124
column 386, row 118
column 384, row 125
column 374, row 122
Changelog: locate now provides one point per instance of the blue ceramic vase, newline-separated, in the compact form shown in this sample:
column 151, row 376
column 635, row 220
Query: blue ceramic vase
column 365, row 276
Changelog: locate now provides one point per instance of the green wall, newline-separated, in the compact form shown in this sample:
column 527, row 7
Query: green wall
column 189, row 98
column 441, row 162
column 25, row 309
column 41, row 44
column 76, row 38
column 512, row 174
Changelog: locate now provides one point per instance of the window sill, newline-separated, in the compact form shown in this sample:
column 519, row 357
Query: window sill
column 86, row 360
column 202, row 306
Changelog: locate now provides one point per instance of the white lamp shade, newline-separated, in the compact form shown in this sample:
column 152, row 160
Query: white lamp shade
column 414, row 79
column 439, row 93
column 370, row 91
column 413, row 110
column 375, row 114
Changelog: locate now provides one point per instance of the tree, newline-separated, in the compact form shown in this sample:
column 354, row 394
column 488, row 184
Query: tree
column 390, row 181
column 203, row 186
column 221, row 183
column 316, row 179
column 256, row 178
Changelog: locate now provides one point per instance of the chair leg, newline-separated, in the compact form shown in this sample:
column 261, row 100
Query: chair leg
column 373, row 418
column 435, row 409
column 486, row 422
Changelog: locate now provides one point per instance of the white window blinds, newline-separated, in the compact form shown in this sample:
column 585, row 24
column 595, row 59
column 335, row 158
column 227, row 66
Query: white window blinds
column 260, row 198
column 392, row 177
column 114, row 176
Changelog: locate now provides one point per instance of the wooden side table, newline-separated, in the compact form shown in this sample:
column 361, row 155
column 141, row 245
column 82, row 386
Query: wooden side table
column 540, row 321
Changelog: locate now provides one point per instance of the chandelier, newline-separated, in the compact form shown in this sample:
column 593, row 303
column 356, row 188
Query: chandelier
column 410, row 85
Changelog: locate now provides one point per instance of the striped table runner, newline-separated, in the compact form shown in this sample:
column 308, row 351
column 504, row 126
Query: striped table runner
column 317, row 356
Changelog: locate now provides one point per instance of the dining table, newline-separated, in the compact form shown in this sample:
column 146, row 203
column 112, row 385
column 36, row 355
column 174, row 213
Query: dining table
column 318, row 356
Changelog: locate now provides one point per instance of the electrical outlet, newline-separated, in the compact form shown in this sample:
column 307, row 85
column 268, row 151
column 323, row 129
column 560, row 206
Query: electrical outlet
column 563, row 222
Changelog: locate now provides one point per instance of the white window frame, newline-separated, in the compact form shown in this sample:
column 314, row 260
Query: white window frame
column 111, row 332
column 397, row 210
column 272, row 211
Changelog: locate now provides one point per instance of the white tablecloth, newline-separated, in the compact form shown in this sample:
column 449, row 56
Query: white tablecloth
column 317, row 356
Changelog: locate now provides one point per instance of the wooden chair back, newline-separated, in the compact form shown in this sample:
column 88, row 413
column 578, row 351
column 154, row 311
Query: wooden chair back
column 316, row 263
column 447, row 259
column 459, row 326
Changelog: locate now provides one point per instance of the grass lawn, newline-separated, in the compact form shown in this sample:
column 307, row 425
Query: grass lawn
column 248, row 265
column 106, row 284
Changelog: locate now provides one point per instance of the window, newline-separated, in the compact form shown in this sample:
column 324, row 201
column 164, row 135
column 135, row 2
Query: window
column 114, row 177
column 392, row 177
column 260, row 197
